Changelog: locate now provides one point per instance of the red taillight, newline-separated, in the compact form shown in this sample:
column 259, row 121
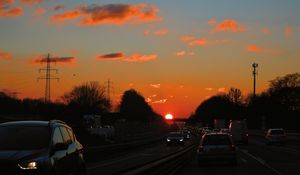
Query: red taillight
column 200, row 149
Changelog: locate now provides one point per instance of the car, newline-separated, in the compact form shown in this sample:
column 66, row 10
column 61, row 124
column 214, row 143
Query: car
column 175, row 138
column 216, row 147
column 225, row 130
column 40, row 148
column 186, row 134
column 239, row 131
column 275, row 135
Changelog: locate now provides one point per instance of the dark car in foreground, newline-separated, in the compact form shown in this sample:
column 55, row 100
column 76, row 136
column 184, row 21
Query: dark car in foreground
column 175, row 138
column 216, row 147
column 39, row 148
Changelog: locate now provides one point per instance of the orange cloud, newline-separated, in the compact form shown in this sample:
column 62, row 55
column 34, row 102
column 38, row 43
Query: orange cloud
column 221, row 89
column 111, row 56
column 187, row 38
column 254, row 48
column 266, row 31
column 161, row 101
column 184, row 53
column 288, row 32
column 54, row 59
column 67, row 15
column 29, row 2
column 212, row 22
column 39, row 11
column 135, row 57
column 198, row 42
column 229, row 25
column 5, row 55
column 13, row 12
column 156, row 86
column 209, row 89
column 109, row 14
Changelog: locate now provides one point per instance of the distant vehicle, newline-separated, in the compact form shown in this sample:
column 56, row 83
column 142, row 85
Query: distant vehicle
column 93, row 125
column 175, row 138
column 216, row 147
column 276, row 135
column 219, row 123
column 186, row 134
column 216, row 130
column 239, row 131
column 40, row 148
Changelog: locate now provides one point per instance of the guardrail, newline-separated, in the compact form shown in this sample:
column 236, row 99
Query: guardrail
column 97, row 152
column 168, row 164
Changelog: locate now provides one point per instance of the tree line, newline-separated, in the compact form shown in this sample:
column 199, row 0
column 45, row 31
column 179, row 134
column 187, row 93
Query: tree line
column 87, row 98
column 278, row 106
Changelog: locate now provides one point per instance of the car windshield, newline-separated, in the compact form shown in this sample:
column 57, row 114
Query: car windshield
column 175, row 135
column 277, row 132
column 216, row 140
column 23, row 137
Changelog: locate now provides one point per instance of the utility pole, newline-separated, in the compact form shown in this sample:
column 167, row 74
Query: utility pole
column 109, row 86
column 254, row 72
column 47, row 77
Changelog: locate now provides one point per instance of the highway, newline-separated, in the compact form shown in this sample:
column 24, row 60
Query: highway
column 255, row 158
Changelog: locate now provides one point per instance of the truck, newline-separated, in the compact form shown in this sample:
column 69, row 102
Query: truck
column 239, row 131
column 219, row 124
column 93, row 125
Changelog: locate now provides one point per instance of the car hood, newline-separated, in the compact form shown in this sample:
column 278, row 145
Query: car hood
column 177, row 138
column 17, row 155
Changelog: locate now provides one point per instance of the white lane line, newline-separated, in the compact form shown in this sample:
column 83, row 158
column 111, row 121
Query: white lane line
column 261, row 161
column 243, row 160
column 110, row 163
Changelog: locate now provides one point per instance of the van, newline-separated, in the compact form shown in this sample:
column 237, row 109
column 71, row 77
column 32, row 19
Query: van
column 239, row 131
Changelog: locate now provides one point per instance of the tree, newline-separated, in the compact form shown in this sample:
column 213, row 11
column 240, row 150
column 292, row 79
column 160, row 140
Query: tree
column 88, row 98
column 133, row 107
column 235, row 95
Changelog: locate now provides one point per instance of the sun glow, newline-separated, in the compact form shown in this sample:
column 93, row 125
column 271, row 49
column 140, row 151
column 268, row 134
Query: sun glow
column 169, row 117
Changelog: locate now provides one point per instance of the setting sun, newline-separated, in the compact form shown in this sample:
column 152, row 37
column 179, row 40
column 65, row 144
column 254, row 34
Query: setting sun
column 169, row 116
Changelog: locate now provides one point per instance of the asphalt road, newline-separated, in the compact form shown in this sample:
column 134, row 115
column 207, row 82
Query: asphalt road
column 118, row 163
column 256, row 158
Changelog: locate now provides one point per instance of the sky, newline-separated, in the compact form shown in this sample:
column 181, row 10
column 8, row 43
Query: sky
column 175, row 53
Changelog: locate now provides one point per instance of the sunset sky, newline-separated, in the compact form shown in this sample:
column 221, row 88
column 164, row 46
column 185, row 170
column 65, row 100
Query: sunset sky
column 175, row 53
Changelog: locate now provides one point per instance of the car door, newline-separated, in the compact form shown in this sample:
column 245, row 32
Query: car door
column 71, row 157
column 58, row 156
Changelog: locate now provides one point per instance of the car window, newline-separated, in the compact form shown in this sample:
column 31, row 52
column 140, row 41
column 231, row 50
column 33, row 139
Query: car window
column 24, row 137
column 65, row 134
column 57, row 137
column 216, row 140
column 277, row 132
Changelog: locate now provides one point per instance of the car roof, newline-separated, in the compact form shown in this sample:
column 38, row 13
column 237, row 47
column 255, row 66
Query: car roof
column 31, row 123
column 272, row 129
column 216, row 133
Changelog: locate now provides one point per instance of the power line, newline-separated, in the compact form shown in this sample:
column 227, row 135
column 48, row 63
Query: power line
column 48, row 78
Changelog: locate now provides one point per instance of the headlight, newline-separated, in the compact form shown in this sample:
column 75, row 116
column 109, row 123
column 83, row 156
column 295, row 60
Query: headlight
column 168, row 140
column 28, row 165
column 181, row 140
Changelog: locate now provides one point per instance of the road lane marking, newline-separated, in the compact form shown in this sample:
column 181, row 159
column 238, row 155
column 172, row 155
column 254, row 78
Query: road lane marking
column 243, row 160
column 261, row 161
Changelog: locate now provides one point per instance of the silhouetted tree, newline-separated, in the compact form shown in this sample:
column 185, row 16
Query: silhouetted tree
column 235, row 95
column 88, row 98
column 133, row 107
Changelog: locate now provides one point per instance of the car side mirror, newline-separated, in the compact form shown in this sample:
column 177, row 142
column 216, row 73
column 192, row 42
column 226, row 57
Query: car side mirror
column 60, row 146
